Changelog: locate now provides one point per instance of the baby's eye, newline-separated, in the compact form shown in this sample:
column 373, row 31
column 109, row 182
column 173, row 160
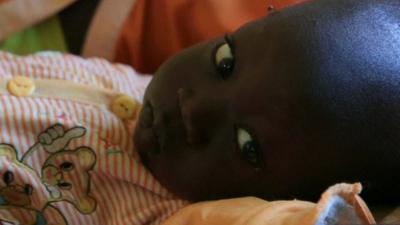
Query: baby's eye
column 248, row 147
column 224, row 60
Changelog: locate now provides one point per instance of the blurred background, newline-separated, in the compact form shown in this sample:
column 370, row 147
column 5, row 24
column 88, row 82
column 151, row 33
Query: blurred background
column 141, row 33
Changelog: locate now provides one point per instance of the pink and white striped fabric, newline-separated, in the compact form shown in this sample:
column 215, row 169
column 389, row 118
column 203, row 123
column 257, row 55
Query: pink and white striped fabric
column 72, row 162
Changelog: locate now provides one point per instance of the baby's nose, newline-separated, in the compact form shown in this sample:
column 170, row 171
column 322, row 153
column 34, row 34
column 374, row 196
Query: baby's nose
column 200, row 113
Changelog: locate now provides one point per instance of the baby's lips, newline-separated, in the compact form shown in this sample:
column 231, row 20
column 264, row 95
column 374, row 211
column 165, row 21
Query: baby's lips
column 146, row 140
column 146, row 118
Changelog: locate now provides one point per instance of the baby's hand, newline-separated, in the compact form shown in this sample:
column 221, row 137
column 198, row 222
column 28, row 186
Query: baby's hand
column 56, row 138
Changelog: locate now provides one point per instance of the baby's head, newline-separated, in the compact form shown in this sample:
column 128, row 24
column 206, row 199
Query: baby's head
column 284, row 107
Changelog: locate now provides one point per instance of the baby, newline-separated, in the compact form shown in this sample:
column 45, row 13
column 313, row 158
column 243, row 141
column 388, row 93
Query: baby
column 282, row 108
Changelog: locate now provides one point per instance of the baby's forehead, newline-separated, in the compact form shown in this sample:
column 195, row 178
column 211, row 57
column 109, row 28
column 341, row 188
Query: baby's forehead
column 307, row 18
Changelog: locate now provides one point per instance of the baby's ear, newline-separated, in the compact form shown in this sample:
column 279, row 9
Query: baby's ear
column 340, row 205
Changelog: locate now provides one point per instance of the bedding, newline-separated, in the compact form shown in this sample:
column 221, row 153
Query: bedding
column 15, row 15
column 340, row 204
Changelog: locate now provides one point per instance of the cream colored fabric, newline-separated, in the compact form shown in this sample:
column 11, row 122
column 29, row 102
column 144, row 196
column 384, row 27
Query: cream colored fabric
column 67, row 90
column 105, row 28
column 339, row 204
column 16, row 15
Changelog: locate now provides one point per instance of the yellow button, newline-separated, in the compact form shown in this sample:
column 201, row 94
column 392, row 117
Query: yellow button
column 125, row 107
column 21, row 86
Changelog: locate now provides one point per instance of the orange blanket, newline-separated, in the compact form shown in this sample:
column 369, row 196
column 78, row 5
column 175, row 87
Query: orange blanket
column 340, row 204
column 155, row 30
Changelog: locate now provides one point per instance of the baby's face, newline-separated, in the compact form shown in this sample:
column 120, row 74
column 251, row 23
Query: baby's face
column 222, row 118
column 267, row 110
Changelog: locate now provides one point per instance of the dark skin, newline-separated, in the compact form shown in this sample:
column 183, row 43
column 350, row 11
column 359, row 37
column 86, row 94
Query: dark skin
column 282, row 108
